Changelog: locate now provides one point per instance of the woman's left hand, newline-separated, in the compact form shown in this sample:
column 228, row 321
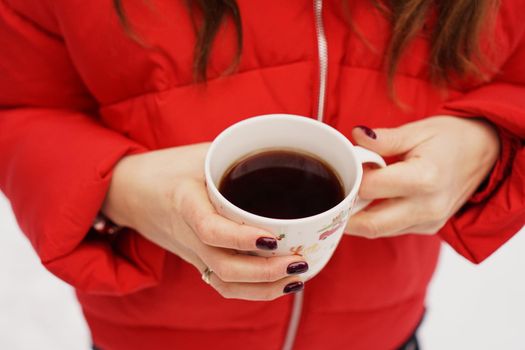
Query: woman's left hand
column 442, row 161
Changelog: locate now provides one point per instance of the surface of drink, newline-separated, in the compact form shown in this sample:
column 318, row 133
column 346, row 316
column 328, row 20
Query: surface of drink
column 282, row 184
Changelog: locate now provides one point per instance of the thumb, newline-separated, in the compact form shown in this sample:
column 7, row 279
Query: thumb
column 387, row 142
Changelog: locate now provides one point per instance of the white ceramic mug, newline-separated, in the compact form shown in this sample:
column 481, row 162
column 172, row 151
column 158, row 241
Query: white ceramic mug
column 314, row 237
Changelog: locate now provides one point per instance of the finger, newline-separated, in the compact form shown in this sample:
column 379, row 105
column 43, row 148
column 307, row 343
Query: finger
column 412, row 176
column 214, row 229
column 384, row 219
column 418, row 230
column 231, row 266
column 256, row 291
column 425, row 229
column 390, row 142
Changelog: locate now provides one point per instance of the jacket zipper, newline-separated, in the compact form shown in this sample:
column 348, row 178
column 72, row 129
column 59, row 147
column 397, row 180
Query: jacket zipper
column 293, row 324
column 322, row 51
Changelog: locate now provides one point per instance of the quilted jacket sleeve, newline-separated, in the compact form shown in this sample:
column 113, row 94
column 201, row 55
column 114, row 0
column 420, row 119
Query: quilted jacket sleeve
column 56, row 161
column 497, row 211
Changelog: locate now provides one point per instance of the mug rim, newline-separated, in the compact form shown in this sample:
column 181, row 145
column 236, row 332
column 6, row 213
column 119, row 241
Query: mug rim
column 274, row 221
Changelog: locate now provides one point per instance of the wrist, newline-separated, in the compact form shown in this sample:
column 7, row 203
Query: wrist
column 117, row 205
column 492, row 141
column 509, row 145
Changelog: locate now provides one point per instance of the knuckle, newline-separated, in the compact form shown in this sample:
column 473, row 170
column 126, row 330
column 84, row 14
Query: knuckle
column 270, row 271
column 204, row 228
column 237, row 241
column 395, row 143
column 224, row 290
column 437, row 227
column 370, row 229
column 429, row 179
column 178, row 198
column 182, row 198
column 223, row 271
column 435, row 211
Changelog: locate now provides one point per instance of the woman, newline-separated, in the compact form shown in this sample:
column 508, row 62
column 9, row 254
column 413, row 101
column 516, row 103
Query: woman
column 107, row 108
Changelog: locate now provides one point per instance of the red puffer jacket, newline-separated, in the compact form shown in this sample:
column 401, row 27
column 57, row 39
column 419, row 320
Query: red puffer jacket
column 77, row 95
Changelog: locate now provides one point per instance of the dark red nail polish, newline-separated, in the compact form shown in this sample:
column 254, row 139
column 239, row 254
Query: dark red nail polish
column 368, row 132
column 297, row 268
column 266, row 243
column 293, row 287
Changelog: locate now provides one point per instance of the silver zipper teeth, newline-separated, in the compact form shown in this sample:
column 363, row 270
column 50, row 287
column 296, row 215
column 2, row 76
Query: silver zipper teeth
column 293, row 324
column 322, row 49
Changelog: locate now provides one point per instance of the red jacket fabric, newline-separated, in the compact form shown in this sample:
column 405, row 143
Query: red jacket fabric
column 77, row 95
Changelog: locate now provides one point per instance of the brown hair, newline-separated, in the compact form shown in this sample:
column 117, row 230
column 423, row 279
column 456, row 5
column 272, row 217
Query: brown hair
column 454, row 36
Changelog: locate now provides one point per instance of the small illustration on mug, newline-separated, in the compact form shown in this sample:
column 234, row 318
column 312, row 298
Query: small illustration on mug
column 336, row 223
column 298, row 250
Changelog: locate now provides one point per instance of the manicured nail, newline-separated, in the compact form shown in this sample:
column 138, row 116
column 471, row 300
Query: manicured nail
column 368, row 132
column 266, row 243
column 297, row 268
column 293, row 287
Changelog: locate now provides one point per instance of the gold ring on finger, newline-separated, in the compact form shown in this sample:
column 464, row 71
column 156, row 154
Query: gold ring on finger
column 206, row 275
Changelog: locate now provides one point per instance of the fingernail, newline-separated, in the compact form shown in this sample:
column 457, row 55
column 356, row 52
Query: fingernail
column 368, row 132
column 266, row 243
column 297, row 268
column 293, row 287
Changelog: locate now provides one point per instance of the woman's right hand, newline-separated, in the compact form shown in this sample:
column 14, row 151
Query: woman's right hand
column 162, row 195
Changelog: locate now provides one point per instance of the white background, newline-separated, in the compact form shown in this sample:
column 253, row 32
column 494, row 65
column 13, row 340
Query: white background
column 469, row 307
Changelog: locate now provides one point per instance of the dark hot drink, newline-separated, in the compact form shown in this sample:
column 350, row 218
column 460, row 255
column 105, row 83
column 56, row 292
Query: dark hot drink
column 282, row 184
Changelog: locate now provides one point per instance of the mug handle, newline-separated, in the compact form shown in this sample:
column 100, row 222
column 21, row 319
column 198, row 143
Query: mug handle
column 366, row 156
